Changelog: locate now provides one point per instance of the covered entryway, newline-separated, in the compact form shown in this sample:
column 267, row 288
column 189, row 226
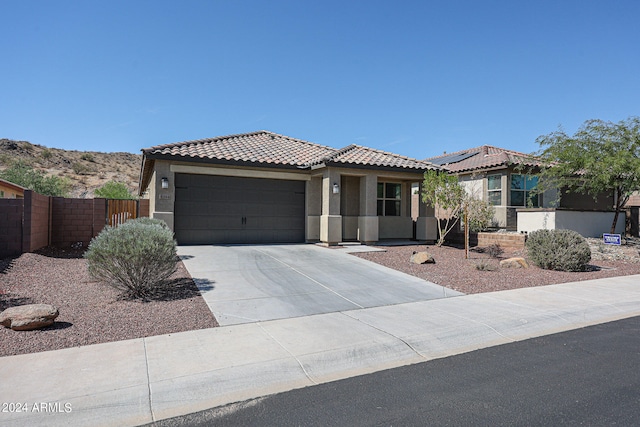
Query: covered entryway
column 212, row 209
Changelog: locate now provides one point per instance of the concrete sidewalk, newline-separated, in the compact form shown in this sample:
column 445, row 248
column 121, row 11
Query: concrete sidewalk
column 138, row 381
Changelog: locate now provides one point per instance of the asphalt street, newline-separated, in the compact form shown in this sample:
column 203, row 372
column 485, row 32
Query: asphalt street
column 587, row 377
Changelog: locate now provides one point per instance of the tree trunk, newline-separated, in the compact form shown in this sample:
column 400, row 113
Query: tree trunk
column 620, row 202
column 615, row 220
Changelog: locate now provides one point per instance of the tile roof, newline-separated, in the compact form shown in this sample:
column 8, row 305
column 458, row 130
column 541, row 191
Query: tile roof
column 365, row 156
column 483, row 157
column 271, row 148
column 264, row 148
column 256, row 147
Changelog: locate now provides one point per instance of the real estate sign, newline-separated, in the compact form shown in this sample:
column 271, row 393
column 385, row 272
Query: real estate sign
column 612, row 239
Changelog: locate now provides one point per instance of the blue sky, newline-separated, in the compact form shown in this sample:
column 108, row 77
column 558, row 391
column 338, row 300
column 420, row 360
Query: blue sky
column 413, row 77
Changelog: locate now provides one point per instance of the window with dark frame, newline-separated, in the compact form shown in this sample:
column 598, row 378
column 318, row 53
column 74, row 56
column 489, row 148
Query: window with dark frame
column 389, row 199
column 521, row 188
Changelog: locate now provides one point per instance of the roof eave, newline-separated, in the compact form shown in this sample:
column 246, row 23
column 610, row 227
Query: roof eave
column 378, row 167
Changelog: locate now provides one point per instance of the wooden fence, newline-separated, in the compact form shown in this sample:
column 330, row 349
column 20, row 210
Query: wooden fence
column 119, row 211
column 37, row 221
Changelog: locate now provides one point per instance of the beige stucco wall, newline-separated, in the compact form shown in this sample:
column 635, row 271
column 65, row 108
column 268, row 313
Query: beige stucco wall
column 587, row 223
column 161, row 200
column 349, row 215
column 314, row 208
column 10, row 192
column 474, row 185
column 395, row 227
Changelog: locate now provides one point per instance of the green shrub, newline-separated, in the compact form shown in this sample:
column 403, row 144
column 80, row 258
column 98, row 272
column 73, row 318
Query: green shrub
column 23, row 174
column 136, row 258
column 114, row 190
column 562, row 250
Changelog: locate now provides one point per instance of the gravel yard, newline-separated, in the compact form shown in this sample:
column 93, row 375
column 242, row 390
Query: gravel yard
column 92, row 313
column 452, row 270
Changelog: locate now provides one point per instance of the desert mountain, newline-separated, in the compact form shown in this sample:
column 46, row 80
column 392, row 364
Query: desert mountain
column 87, row 170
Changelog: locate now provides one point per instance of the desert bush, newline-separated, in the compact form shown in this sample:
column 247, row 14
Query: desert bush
column 484, row 265
column 562, row 250
column 46, row 154
column 135, row 258
column 80, row 169
column 152, row 221
column 88, row 157
column 494, row 251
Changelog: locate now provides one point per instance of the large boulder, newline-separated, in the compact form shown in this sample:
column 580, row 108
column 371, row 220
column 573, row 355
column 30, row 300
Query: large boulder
column 516, row 262
column 422, row 258
column 28, row 317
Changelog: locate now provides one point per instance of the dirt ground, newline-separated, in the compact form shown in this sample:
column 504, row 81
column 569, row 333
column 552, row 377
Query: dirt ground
column 92, row 313
column 482, row 273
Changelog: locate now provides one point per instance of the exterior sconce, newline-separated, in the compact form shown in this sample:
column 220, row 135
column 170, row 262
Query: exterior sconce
column 336, row 188
column 165, row 183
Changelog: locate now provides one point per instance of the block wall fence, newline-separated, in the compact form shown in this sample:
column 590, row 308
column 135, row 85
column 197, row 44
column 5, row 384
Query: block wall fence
column 37, row 221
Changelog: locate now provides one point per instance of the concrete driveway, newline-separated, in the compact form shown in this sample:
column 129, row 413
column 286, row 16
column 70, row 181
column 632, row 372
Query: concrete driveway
column 250, row 283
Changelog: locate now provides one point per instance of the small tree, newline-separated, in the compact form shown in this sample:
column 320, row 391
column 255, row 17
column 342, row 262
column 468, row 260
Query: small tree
column 24, row 175
column 114, row 190
column 447, row 196
column 600, row 157
column 480, row 213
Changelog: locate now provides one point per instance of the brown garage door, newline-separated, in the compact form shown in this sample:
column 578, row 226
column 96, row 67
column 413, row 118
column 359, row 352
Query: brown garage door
column 220, row 209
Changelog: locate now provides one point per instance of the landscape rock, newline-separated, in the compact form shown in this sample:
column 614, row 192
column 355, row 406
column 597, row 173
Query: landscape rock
column 516, row 262
column 28, row 317
column 422, row 258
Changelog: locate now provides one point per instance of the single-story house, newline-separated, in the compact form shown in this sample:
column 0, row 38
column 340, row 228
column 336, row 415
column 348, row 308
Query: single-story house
column 262, row 187
column 9, row 190
column 506, row 179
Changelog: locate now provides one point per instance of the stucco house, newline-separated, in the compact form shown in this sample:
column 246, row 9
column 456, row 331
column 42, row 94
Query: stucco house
column 263, row 187
column 507, row 178
column 9, row 190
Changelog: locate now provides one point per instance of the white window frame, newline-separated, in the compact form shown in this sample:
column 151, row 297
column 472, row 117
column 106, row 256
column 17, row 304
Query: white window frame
column 494, row 190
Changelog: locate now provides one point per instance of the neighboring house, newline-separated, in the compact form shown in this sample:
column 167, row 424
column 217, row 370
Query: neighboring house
column 263, row 187
column 506, row 179
column 9, row 190
column 634, row 200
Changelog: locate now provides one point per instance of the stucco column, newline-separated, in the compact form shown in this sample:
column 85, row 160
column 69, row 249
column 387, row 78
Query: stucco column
column 368, row 219
column 313, row 208
column 426, row 224
column 164, row 198
column 330, row 220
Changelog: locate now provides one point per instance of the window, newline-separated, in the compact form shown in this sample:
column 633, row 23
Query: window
column 389, row 199
column 521, row 187
column 494, row 189
column 1, row 194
